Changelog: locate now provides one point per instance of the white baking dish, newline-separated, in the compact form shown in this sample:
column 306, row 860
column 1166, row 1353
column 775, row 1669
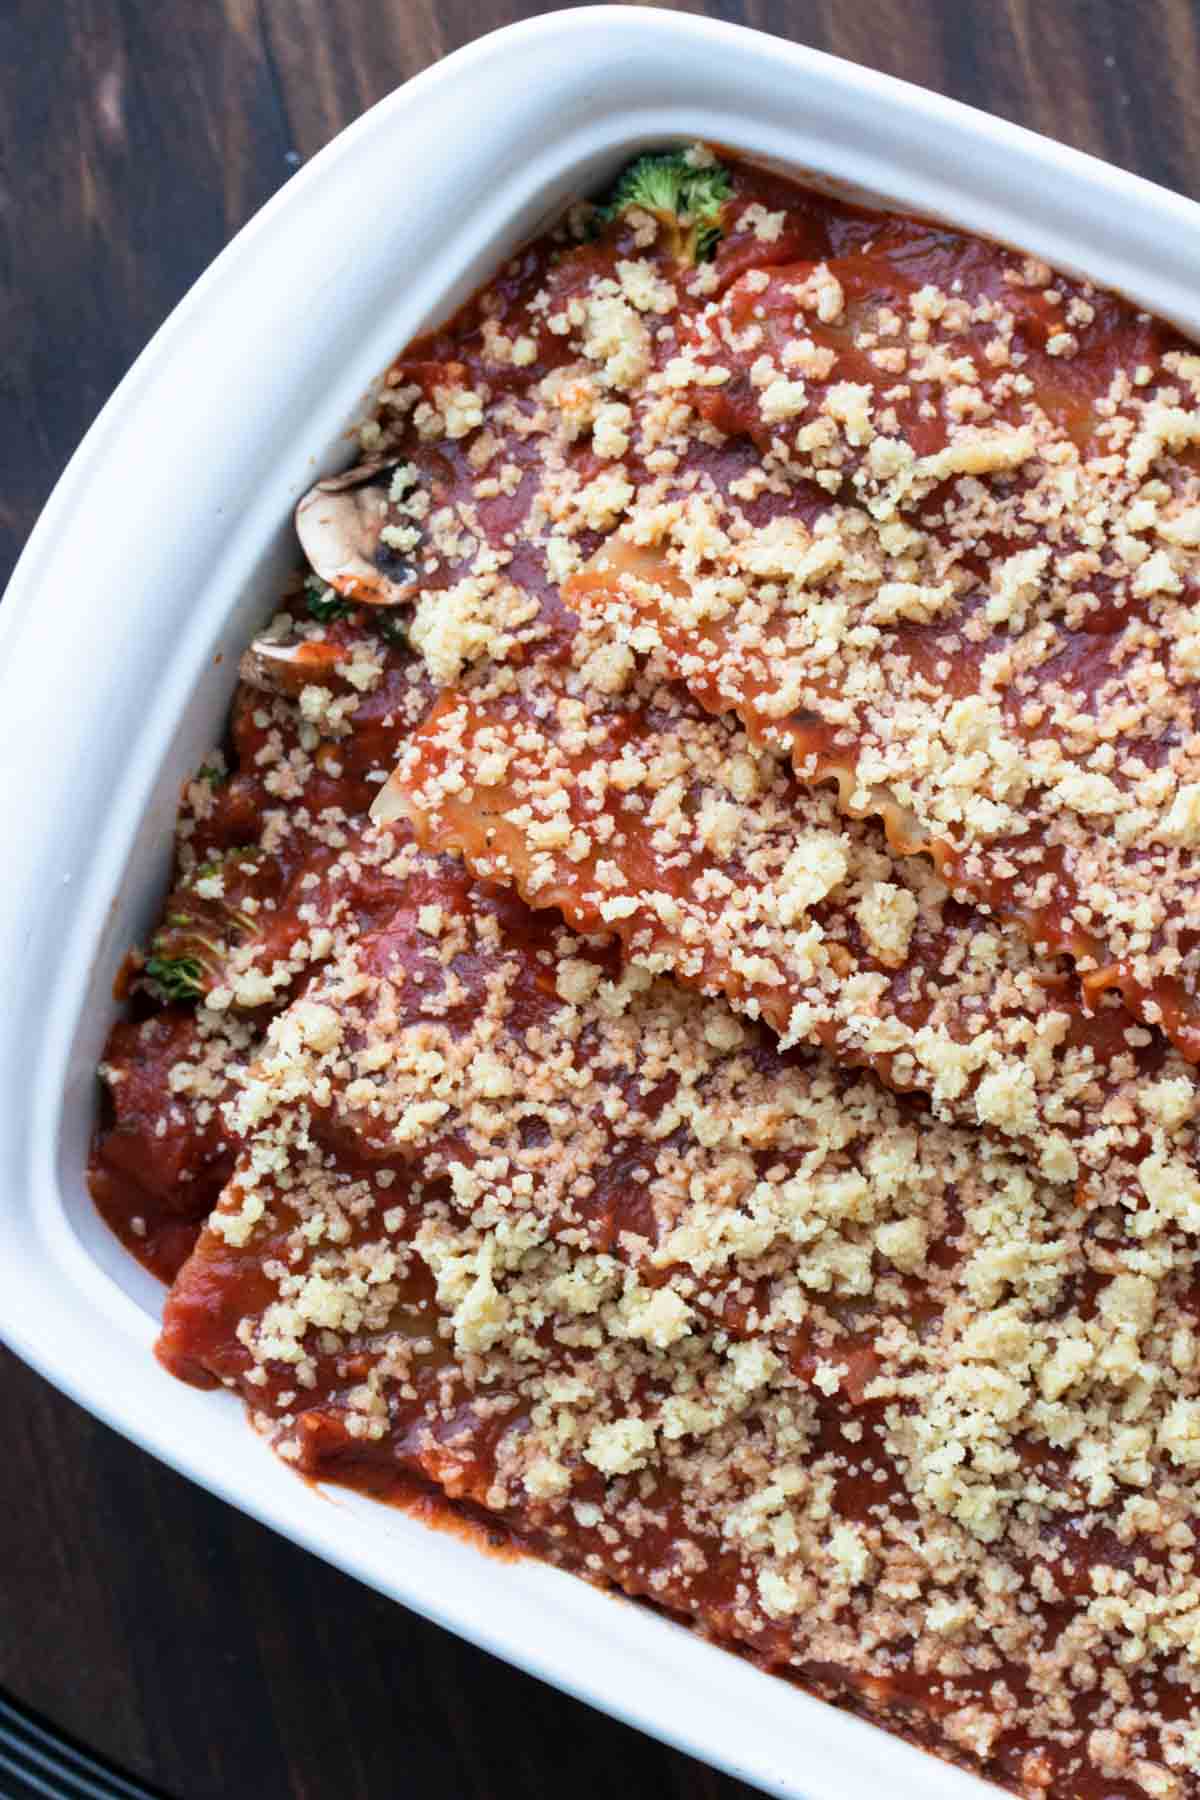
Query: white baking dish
column 156, row 556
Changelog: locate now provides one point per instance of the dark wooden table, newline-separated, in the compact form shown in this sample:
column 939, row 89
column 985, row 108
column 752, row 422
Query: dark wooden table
column 136, row 136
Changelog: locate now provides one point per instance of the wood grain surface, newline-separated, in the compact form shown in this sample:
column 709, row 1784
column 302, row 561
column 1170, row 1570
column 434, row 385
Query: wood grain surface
column 136, row 136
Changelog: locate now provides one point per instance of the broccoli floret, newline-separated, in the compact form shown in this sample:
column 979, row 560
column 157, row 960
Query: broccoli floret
column 180, row 977
column 186, row 955
column 190, row 951
column 687, row 201
column 323, row 602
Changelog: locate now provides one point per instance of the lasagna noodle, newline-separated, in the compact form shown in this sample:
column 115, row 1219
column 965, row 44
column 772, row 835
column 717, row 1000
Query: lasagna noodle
column 641, row 816
column 733, row 1330
column 1039, row 741
column 995, row 500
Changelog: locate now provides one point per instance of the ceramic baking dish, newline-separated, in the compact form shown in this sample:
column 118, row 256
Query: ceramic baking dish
column 154, row 560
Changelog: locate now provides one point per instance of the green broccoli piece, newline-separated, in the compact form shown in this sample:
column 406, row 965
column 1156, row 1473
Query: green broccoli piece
column 687, row 201
column 179, row 977
column 186, row 956
column 190, row 951
column 323, row 602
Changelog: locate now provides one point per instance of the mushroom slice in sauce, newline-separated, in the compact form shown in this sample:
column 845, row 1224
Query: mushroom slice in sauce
column 290, row 668
column 340, row 523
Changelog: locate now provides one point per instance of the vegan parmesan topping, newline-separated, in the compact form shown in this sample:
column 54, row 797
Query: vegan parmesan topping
column 675, row 1023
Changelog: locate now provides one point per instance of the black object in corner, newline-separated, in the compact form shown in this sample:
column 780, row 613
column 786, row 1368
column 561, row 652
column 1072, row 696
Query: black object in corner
column 38, row 1763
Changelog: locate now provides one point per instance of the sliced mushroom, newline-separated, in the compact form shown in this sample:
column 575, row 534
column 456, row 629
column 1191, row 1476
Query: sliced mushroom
column 290, row 668
column 339, row 523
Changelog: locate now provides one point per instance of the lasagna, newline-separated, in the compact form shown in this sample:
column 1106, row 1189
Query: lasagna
column 674, row 1026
